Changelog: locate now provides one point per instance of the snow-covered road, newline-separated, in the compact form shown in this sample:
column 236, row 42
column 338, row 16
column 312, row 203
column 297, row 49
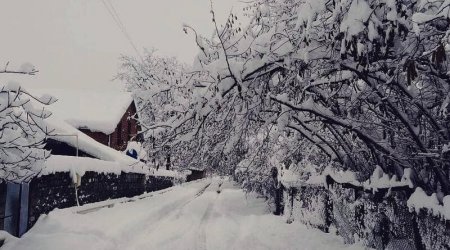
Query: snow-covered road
column 190, row 216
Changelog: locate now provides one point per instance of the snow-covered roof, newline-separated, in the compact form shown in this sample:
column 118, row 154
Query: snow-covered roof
column 64, row 132
column 109, row 160
column 93, row 110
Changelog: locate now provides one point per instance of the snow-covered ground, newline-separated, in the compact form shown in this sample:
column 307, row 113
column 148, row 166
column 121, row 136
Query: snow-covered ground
column 190, row 216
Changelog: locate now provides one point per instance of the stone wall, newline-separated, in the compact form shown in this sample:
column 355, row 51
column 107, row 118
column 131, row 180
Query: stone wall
column 49, row 192
column 58, row 190
column 157, row 183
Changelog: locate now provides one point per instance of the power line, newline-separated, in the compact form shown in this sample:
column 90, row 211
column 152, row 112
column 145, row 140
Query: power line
column 115, row 15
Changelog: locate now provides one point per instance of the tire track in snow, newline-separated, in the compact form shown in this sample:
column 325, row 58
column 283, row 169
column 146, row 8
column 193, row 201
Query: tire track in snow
column 150, row 226
column 201, row 243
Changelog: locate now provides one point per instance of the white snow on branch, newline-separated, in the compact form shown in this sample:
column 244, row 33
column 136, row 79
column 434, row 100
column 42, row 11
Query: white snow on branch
column 378, row 179
column 420, row 200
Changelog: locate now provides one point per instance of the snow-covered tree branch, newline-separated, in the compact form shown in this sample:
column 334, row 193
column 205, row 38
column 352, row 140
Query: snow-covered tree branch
column 22, row 132
column 364, row 82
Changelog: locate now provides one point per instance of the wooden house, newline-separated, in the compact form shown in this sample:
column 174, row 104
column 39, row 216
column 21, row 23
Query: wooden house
column 108, row 118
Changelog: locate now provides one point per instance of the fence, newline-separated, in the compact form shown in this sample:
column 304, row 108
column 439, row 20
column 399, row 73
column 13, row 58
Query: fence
column 380, row 220
column 22, row 204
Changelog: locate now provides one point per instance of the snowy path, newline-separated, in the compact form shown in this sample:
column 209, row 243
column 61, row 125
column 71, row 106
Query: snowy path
column 191, row 216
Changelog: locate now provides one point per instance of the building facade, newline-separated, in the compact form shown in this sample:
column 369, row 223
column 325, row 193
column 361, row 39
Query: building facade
column 126, row 130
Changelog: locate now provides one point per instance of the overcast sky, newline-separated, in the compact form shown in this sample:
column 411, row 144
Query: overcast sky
column 76, row 44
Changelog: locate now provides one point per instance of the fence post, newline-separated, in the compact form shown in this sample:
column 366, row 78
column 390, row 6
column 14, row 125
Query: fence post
column 417, row 237
column 24, row 203
column 12, row 208
column 278, row 192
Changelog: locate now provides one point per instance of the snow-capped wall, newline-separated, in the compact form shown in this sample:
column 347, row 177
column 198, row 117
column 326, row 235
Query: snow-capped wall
column 56, row 188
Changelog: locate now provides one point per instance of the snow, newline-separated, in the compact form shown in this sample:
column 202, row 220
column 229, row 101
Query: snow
column 378, row 179
column 358, row 13
column 372, row 32
column 392, row 14
column 6, row 237
column 190, row 216
column 168, row 173
column 446, row 148
column 420, row 200
column 290, row 178
column 78, row 165
column 110, row 158
column 137, row 146
column 62, row 131
column 422, row 18
column 21, row 149
column 27, row 68
column 308, row 11
column 96, row 111
column 341, row 176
